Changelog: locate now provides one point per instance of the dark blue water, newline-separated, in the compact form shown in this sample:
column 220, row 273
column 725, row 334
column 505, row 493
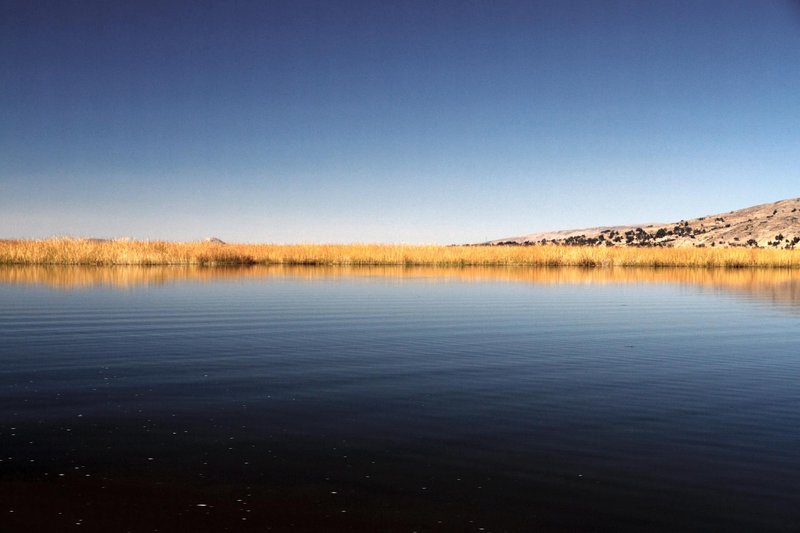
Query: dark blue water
column 376, row 403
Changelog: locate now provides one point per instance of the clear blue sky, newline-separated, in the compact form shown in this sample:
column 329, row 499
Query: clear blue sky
column 407, row 121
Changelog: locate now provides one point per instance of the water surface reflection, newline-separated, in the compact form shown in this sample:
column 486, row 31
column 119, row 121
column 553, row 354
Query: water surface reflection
column 780, row 286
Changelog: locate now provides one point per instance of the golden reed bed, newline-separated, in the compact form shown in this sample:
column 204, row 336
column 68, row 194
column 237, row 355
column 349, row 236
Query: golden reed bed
column 67, row 251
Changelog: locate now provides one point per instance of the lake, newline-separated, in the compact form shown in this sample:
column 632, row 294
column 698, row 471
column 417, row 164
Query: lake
column 399, row 399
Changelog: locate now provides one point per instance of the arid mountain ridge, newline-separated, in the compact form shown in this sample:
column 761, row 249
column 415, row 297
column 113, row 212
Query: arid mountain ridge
column 773, row 225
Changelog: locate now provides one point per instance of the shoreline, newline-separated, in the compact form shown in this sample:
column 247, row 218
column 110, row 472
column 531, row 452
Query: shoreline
column 88, row 252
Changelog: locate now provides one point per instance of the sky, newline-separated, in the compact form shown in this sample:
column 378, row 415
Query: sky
column 399, row 122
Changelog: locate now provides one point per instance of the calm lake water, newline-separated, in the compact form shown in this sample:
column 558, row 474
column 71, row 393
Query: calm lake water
column 389, row 399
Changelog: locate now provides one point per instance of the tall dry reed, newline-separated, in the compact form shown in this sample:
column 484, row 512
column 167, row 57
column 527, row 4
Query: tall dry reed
column 66, row 251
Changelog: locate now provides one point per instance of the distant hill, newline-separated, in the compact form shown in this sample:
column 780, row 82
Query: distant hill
column 774, row 225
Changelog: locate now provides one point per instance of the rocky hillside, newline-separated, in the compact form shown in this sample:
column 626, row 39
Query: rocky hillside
column 774, row 225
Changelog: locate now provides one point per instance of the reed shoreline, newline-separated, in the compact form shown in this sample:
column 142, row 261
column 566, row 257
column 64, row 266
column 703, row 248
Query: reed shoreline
column 68, row 251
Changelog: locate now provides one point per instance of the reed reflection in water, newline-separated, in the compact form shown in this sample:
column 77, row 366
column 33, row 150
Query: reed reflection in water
column 781, row 286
